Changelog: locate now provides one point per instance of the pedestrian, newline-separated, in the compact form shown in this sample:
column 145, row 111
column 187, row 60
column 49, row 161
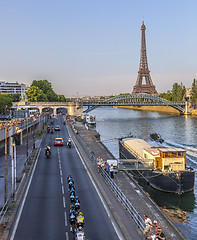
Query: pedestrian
column 148, row 223
column 99, row 162
column 155, row 226
column 107, row 167
column 111, row 169
column 160, row 235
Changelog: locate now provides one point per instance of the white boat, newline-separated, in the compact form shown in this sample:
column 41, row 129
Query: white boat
column 91, row 120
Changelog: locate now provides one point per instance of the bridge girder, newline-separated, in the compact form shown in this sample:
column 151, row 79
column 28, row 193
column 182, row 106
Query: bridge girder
column 134, row 100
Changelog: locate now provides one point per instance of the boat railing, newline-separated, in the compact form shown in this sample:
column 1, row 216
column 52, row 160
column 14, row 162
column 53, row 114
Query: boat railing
column 136, row 164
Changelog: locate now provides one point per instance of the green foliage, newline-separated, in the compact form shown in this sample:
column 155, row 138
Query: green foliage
column 5, row 102
column 42, row 91
column 194, row 91
column 167, row 96
column 61, row 98
column 15, row 97
column 176, row 94
column 34, row 94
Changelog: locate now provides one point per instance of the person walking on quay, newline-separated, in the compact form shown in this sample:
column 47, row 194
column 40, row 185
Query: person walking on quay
column 107, row 167
column 148, row 223
column 99, row 163
column 111, row 169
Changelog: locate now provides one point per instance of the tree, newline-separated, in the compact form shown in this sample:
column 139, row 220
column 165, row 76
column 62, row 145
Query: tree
column 47, row 89
column 15, row 97
column 34, row 94
column 194, row 91
column 167, row 96
column 5, row 102
column 61, row 98
column 178, row 92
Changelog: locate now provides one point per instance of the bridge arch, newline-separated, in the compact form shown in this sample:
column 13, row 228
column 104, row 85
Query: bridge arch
column 135, row 100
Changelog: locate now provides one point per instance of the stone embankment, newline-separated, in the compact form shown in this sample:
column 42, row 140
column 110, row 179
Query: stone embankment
column 163, row 109
column 139, row 199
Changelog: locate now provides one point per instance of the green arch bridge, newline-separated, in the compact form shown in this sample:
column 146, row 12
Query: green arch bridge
column 135, row 100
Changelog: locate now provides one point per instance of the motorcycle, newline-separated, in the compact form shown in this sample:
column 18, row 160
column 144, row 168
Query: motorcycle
column 52, row 130
column 69, row 144
column 48, row 153
column 48, row 130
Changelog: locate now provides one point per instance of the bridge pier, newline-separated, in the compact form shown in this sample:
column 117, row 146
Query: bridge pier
column 187, row 108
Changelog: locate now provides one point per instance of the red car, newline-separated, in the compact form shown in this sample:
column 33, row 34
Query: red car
column 58, row 142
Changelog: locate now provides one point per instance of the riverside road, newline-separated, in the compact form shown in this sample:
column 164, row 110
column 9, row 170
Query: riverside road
column 46, row 207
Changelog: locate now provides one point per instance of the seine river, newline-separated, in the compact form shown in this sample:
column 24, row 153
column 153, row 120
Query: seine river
column 177, row 131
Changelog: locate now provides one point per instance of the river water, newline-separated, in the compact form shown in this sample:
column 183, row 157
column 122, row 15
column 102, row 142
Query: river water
column 177, row 131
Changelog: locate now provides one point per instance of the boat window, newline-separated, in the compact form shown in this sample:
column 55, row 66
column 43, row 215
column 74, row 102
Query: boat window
column 167, row 154
column 173, row 154
column 180, row 154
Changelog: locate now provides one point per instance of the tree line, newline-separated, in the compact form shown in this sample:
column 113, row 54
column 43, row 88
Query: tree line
column 178, row 93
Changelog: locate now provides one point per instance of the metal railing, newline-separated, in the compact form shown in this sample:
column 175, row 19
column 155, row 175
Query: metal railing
column 118, row 193
column 3, row 211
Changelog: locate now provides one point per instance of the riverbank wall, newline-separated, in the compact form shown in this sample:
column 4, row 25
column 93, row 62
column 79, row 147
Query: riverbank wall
column 162, row 109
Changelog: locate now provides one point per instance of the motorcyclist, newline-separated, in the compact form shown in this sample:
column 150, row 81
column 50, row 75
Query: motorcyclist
column 72, row 220
column 47, row 149
column 69, row 142
column 48, row 129
column 79, row 221
column 51, row 129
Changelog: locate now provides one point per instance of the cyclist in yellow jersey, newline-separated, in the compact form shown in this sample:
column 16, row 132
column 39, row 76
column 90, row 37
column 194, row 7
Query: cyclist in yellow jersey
column 80, row 220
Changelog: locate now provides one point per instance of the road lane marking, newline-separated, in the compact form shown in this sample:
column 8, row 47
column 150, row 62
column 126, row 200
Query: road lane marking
column 24, row 199
column 63, row 190
column 65, row 215
column 64, row 202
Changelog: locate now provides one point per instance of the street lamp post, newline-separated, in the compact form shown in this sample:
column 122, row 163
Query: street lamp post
column 6, row 166
column 27, row 139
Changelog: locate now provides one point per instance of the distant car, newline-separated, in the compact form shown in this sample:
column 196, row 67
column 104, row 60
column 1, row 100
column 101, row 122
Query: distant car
column 57, row 128
column 58, row 142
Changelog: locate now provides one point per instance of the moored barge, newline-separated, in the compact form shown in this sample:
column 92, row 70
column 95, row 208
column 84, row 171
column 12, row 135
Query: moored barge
column 169, row 172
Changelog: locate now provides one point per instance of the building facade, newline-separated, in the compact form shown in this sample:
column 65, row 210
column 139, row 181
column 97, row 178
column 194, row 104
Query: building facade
column 13, row 88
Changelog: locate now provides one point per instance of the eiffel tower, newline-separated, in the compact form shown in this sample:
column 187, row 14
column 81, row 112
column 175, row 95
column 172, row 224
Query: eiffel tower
column 144, row 73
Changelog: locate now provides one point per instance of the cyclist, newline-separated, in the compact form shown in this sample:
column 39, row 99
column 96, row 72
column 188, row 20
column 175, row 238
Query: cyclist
column 77, row 203
column 72, row 197
column 80, row 221
column 69, row 178
column 80, row 236
column 70, row 183
column 72, row 220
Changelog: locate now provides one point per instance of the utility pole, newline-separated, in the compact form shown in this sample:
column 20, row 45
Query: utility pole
column 6, row 166
column 27, row 140
column 34, row 145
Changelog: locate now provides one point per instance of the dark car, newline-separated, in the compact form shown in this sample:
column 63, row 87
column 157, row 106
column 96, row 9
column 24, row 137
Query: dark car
column 57, row 128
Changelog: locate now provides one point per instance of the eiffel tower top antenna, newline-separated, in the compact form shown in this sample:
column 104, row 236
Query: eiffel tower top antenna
column 144, row 73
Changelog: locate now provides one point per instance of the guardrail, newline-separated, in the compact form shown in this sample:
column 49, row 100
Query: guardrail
column 118, row 193
column 3, row 211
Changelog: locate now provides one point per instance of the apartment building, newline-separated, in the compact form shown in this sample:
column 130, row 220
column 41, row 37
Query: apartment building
column 13, row 88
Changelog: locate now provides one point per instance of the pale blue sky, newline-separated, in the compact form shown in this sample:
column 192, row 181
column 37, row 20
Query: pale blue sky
column 92, row 47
